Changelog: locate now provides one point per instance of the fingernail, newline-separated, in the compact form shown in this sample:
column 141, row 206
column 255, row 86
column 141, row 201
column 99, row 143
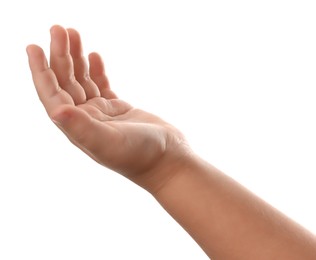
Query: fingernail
column 57, row 123
column 59, row 119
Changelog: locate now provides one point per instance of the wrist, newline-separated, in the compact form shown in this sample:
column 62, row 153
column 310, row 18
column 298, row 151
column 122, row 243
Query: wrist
column 170, row 166
column 186, row 169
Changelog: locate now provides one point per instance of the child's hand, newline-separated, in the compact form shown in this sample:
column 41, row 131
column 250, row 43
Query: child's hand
column 223, row 217
column 79, row 100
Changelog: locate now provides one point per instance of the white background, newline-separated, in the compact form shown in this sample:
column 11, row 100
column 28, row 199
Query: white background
column 237, row 77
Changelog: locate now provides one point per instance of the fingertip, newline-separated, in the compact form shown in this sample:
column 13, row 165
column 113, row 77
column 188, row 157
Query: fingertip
column 58, row 31
column 62, row 114
column 94, row 55
column 72, row 31
column 76, row 124
column 59, row 119
column 30, row 48
column 55, row 27
column 52, row 29
column 75, row 42
column 96, row 63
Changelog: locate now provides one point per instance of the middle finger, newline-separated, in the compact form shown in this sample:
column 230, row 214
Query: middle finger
column 62, row 64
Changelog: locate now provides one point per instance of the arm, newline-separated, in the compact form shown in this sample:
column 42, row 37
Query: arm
column 225, row 219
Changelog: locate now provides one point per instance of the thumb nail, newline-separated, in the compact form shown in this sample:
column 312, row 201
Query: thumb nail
column 59, row 119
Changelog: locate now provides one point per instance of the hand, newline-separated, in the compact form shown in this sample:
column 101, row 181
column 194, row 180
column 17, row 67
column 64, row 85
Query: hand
column 78, row 99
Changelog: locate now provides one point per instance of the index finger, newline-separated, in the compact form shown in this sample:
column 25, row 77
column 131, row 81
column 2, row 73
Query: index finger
column 45, row 81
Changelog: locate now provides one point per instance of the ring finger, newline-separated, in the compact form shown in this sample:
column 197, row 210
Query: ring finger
column 81, row 69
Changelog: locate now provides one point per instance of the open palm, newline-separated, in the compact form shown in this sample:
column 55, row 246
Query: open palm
column 78, row 98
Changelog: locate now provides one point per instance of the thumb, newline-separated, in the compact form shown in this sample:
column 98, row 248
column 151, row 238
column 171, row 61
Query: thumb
column 78, row 126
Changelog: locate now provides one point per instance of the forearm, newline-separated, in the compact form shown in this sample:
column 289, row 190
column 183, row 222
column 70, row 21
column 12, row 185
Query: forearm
column 228, row 221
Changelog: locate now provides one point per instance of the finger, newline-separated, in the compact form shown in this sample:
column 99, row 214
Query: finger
column 62, row 64
column 80, row 65
column 45, row 81
column 97, row 73
column 83, row 130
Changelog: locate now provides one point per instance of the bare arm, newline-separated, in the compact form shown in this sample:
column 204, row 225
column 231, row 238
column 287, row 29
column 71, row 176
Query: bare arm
column 228, row 221
column 225, row 219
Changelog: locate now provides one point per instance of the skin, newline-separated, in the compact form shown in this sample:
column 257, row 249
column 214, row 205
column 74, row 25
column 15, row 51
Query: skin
column 225, row 219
